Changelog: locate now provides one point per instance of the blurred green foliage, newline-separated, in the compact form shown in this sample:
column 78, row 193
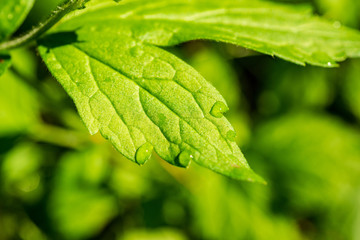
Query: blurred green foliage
column 298, row 127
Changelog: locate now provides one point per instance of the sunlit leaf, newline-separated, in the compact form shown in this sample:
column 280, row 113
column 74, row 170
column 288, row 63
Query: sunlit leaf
column 141, row 98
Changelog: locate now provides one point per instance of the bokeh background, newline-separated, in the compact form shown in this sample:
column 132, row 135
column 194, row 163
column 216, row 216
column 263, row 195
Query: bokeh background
column 297, row 126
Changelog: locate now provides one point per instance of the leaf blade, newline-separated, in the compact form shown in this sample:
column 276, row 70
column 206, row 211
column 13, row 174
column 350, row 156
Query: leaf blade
column 135, row 93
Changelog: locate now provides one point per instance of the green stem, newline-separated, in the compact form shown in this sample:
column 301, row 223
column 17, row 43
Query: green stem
column 36, row 32
column 59, row 136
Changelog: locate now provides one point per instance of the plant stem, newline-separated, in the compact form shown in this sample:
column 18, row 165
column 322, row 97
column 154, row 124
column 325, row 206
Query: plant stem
column 59, row 136
column 37, row 31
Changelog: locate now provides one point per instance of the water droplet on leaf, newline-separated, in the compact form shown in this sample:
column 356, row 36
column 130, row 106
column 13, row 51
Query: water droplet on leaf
column 231, row 135
column 219, row 109
column 184, row 159
column 143, row 153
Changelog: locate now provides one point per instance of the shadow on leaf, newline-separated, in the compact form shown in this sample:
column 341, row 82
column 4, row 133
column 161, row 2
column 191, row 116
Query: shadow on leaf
column 58, row 39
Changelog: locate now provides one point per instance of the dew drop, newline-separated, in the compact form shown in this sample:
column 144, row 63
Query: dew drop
column 231, row 135
column 219, row 109
column 143, row 153
column 184, row 159
column 329, row 64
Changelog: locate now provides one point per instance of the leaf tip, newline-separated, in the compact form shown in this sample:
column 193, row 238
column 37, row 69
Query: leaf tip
column 246, row 174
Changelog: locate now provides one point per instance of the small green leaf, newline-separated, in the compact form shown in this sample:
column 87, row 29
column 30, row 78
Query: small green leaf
column 12, row 14
column 289, row 32
column 135, row 94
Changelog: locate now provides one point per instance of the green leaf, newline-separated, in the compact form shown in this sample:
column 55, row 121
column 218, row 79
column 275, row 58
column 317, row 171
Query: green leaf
column 20, row 171
column 18, row 104
column 12, row 14
column 140, row 96
column 78, row 194
column 289, row 32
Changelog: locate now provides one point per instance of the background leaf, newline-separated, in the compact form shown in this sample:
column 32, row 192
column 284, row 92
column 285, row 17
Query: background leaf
column 351, row 87
column 18, row 104
column 81, row 210
column 12, row 14
column 322, row 162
